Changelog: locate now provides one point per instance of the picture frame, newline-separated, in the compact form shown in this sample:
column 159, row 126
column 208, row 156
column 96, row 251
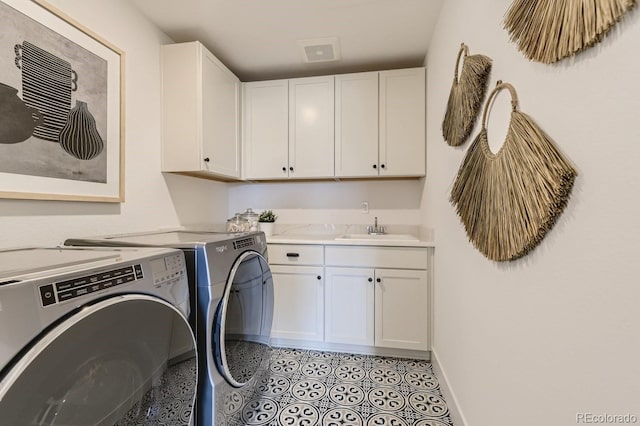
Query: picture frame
column 62, row 112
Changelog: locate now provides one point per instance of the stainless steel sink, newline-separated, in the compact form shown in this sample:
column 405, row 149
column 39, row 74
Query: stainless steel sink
column 376, row 237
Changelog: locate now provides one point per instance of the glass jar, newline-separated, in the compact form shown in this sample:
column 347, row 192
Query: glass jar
column 237, row 224
column 251, row 218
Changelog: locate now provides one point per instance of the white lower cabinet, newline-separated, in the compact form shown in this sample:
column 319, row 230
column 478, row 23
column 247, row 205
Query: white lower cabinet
column 377, row 307
column 298, row 302
column 334, row 297
column 349, row 306
column 401, row 309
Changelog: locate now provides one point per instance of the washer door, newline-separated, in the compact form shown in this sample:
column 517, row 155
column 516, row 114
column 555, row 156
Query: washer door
column 243, row 320
column 107, row 364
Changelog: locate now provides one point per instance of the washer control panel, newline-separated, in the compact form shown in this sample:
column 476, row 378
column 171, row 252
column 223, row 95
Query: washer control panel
column 76, row 287
column 168, row 269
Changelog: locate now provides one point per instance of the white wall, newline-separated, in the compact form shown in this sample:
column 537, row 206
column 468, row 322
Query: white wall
column 538, row 340
column 152, row 200
column 392, row 201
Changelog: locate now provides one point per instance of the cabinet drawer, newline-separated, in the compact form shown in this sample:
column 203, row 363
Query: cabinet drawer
column 377, row 257
column 295, row 254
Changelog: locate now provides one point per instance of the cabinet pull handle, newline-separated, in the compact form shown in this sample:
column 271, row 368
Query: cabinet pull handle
column 319, row 277
column 293, row 254
column 284, row 169
column 375, row 166
column 378, row 280
column 370, row 279
column 291, row 169
column 207, row 159
column 382, row 166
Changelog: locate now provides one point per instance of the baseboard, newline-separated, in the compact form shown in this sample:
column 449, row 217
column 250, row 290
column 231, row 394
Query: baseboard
column 449, row 396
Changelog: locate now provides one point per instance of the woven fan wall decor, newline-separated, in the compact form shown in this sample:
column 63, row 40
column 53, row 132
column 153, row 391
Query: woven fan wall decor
column 508, row 201
column 465, row 98
column 549, row 30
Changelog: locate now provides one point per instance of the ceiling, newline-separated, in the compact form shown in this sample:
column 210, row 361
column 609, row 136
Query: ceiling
column 258, row 39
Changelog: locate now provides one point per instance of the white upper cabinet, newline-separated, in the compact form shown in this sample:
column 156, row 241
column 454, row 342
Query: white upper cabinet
column 402, row 122
column 200, row 113
column 356, row 125
column 266, row 129
column 288, row 128
column 311, row 122
column 380, row 124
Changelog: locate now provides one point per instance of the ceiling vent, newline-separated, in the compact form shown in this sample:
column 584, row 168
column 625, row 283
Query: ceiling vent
column 320, row 49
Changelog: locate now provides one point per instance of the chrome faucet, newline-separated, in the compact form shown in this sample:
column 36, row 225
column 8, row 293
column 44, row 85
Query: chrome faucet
column 375, row 229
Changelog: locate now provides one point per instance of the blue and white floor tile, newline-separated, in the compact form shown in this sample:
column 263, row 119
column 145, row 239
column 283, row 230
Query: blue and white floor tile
column 304, row 387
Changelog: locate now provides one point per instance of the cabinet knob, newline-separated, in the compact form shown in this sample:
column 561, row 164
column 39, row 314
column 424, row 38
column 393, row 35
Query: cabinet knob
column 378, row 280
column 284, row 169
column 319, row 277
column 382, row 166
column 290, row 169
column 207, row 159
column 370, row 280
column 375, row 166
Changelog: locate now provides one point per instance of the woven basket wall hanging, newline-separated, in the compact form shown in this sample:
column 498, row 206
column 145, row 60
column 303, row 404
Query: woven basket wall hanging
column 465, row 98
column 508, row 201
column 549, row 30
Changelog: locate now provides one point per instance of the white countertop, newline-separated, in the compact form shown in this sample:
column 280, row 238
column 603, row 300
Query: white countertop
column 331, row 240
column 335, row 239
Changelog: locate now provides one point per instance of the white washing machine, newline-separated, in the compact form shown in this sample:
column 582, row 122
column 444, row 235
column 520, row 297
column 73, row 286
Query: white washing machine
column 233, row 290
column 95, row 337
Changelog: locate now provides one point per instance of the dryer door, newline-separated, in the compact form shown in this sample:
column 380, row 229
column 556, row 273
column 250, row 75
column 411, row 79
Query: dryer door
column 106, row 364
column 243, row 320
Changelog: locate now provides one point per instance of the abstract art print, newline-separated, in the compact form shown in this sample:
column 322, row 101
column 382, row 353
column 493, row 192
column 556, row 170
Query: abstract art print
column 61, row 115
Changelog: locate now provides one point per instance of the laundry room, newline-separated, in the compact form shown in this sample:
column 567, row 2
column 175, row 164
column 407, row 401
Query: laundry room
column 543, row 334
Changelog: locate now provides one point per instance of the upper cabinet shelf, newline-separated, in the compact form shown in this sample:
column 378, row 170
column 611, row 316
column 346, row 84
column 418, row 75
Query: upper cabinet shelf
column 362, row 125
column 200, row 113
column 288, row 128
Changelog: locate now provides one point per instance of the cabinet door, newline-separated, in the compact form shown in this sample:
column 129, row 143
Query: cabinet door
column 266, row 129
column 311, row 119
column 181, row 107
column 220, row 118
column 200, row 113
column 298, row 302
column 401, row 309
column 349, row 304
column 402, row 122
column 356, row 125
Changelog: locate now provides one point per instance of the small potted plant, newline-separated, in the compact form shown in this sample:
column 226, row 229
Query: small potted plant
column 267, row 219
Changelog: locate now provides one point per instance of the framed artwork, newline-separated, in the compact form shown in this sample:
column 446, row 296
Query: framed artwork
column 61, row 107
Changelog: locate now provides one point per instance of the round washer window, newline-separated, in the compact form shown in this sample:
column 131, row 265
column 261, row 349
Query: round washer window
column 243, row 320
column 120, row 361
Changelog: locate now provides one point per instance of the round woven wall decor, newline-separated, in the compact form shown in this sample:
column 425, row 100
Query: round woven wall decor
column 549, row 30
column 465, row 98
column 508, row 201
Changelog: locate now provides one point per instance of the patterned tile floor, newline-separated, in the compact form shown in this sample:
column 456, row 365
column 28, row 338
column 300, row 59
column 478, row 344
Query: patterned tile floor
column 170, row 401
column 309, row 388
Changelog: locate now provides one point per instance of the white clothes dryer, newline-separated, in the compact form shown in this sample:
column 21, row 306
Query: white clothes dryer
column 233, row 288
column 95, row 337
